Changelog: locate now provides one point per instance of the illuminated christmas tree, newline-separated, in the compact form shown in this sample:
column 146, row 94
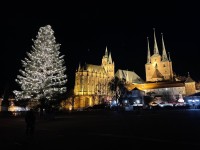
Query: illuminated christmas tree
column 43, row 78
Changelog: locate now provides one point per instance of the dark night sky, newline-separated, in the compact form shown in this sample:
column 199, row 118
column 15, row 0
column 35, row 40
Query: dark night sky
column 84, row 30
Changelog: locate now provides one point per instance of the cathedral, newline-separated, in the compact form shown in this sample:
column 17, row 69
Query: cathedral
column 91, row 82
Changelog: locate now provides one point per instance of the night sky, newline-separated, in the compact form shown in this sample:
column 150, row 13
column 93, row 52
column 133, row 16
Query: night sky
column 84, row 30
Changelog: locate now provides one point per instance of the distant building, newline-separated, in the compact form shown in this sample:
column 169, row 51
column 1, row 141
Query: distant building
column 9, row 102
column 160, row 78
column 158, row 67
column 128, row 76
column 169, row 90
column 133, row 98
column 91, row 82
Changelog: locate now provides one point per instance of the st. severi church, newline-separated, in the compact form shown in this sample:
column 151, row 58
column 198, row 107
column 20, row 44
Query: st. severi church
column 160, row 77
column 158, row 67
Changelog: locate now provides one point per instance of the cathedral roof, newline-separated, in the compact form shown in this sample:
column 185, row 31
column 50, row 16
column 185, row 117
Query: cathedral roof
column 155, row 55
column 157, row 74
column 189, row 79
column 156, row 85
column 129, row 76
column 95, row 68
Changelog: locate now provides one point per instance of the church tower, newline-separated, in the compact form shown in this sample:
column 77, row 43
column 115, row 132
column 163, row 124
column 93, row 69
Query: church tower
column 108, row 64
column 190, row 87
column 158, row 68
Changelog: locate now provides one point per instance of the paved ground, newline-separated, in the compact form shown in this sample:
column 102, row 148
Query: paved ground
column 108, row 130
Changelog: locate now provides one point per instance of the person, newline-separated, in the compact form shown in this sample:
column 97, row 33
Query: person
column 30, row 122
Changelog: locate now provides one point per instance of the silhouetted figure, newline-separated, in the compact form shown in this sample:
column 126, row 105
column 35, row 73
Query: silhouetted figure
column 30, row 122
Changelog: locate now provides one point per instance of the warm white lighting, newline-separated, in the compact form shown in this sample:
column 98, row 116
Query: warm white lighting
column 137, row 101
column 180, row 100
column 43, row 69
column 16, row 108
column 70, row 108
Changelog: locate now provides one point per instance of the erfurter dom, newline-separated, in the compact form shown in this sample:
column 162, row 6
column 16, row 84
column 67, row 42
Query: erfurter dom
column 91, row 82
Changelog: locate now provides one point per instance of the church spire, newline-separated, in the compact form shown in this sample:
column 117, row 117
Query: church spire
column 110, row 58
column 189, row 79
column 188, row 74
column 164, row 54
column 155, row 44
column 106, row 52
column 148, row 52
column 79, row 67
column 169, row 56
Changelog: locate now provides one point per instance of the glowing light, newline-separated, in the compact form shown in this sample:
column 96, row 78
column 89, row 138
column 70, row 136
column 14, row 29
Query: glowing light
column 16, row 108
column 70, row 108
column 137, row 101
column 43, row 69
column 180, row 100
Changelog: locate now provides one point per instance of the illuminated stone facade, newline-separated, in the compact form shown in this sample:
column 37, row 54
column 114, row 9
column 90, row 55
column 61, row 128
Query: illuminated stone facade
column 160, row 78
column 91, row 82
column 190, row 86
column 172, row 88
column 158, row 68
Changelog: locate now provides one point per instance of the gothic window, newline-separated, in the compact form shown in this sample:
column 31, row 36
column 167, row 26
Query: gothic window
column 148, row 68
column 164, row 65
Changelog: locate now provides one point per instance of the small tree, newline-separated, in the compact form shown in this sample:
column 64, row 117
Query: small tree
column 71, row 98
column 43, row 78
column 166, row 96
column 117, row 87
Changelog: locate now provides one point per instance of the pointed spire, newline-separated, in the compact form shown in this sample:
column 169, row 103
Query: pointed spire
column 155, row 44
column 189, row 79
column 110, row 58
column 169, row 56
column 148, row 52
column 106, row 52
column 79, row 67
column 164, row 54
column 188, row 74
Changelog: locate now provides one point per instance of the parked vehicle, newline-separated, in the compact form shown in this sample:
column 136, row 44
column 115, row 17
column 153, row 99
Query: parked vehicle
column 165, row 104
